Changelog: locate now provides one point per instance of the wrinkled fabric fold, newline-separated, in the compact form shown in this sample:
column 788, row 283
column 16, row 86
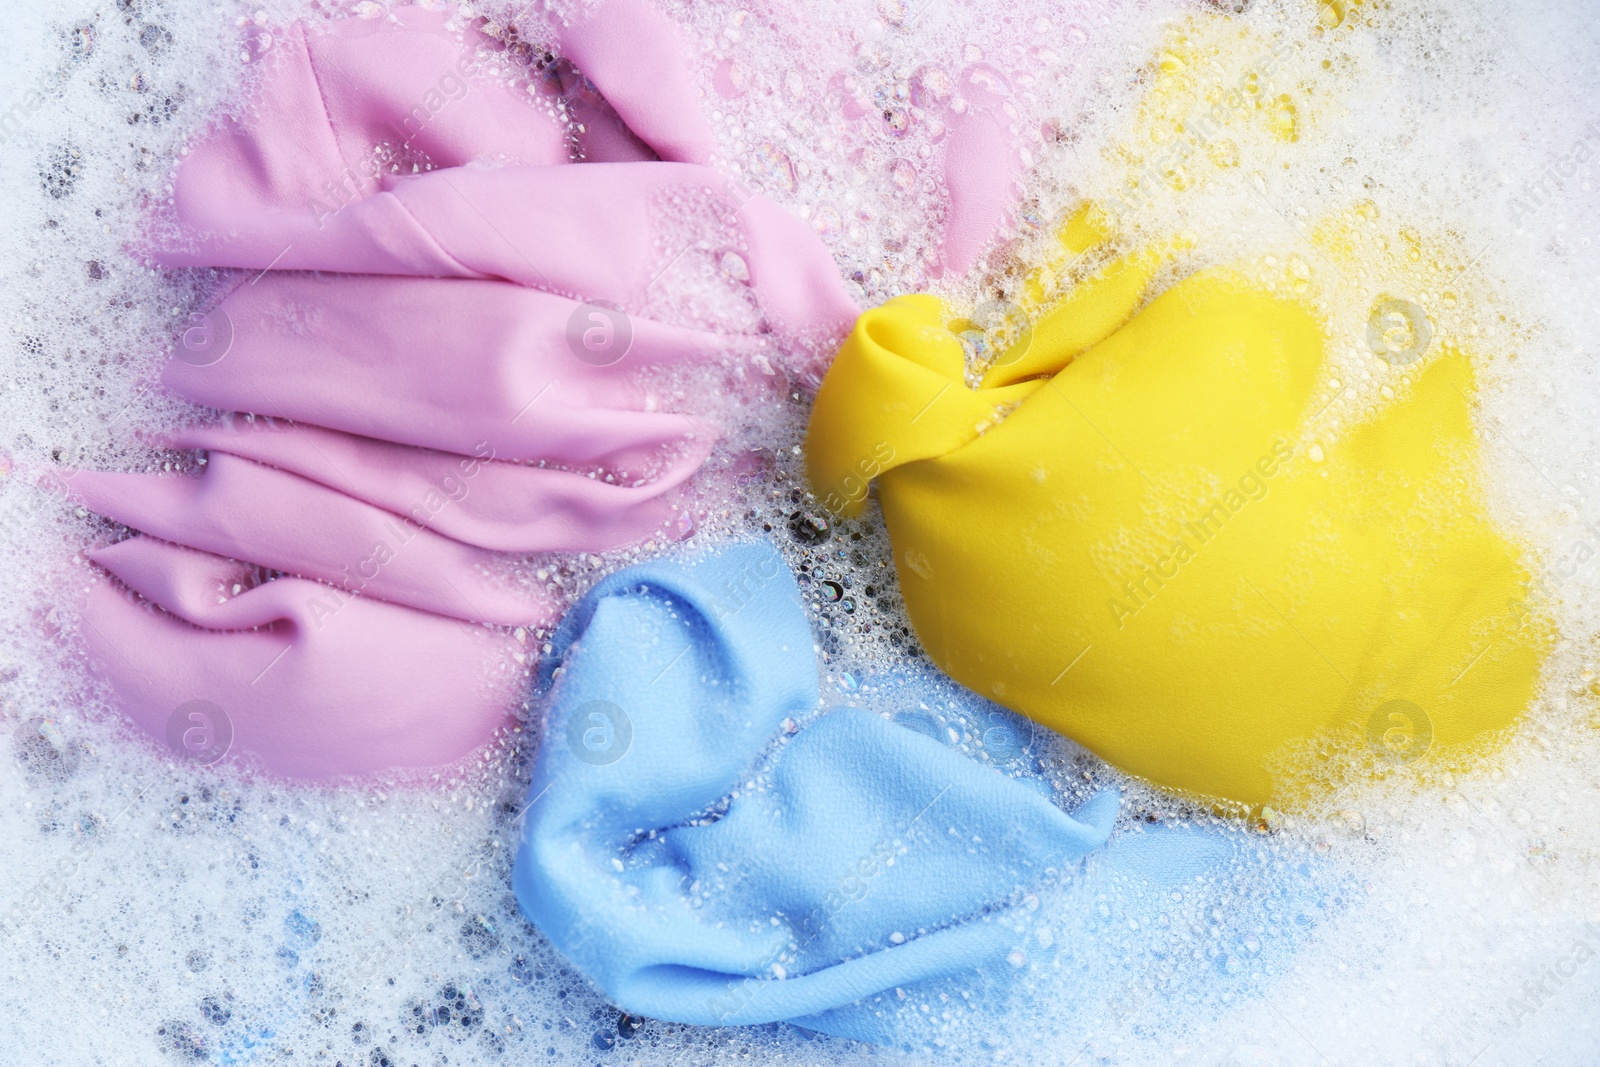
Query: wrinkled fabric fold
column 506, row 507
column 456, row 363
column 1201, row 585
column 243, row 510
column 706, row 858
column 438, row 347
column 588, row 232
column 337, row 108
column 294, row 665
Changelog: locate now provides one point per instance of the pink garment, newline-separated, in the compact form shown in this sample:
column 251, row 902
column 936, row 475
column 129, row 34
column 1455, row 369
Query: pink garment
column 981, row 168
column 979, row 155
column 425, row 404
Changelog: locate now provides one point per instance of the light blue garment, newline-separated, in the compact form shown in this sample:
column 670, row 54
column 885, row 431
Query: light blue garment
column 704, row 860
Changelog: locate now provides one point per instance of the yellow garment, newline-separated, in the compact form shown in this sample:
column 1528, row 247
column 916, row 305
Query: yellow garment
column 1142, row 553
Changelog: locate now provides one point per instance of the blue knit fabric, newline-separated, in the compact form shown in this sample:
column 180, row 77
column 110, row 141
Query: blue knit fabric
column 705, row 858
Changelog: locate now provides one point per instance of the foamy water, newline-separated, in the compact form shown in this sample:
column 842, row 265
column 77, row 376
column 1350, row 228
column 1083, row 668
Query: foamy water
column 153, row 911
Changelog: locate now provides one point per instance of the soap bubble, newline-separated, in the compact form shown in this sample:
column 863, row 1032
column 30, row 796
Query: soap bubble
column 983, row 85
column 155, row 39
column 931, row 87
column 734, row 267
column 731, row 79
column 773, row 162
column 849, row 95
column 61, row 170
column 903, row 173
column 522, row 971
column 217, row 1010
column 300, row 931
column 45, row 752
column 479, row 937
column 183, row 1040
column 809, row 527
column 81, row 40
column 826, row 221
column 456, row 1011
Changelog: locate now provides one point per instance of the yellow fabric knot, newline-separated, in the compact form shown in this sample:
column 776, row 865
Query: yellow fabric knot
column 1123, row 535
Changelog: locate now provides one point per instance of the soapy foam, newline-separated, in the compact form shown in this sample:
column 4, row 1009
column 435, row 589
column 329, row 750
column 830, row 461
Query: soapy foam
column 159, row 912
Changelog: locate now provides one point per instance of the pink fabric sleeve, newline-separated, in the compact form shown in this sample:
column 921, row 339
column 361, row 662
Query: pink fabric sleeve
column 408, row 407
